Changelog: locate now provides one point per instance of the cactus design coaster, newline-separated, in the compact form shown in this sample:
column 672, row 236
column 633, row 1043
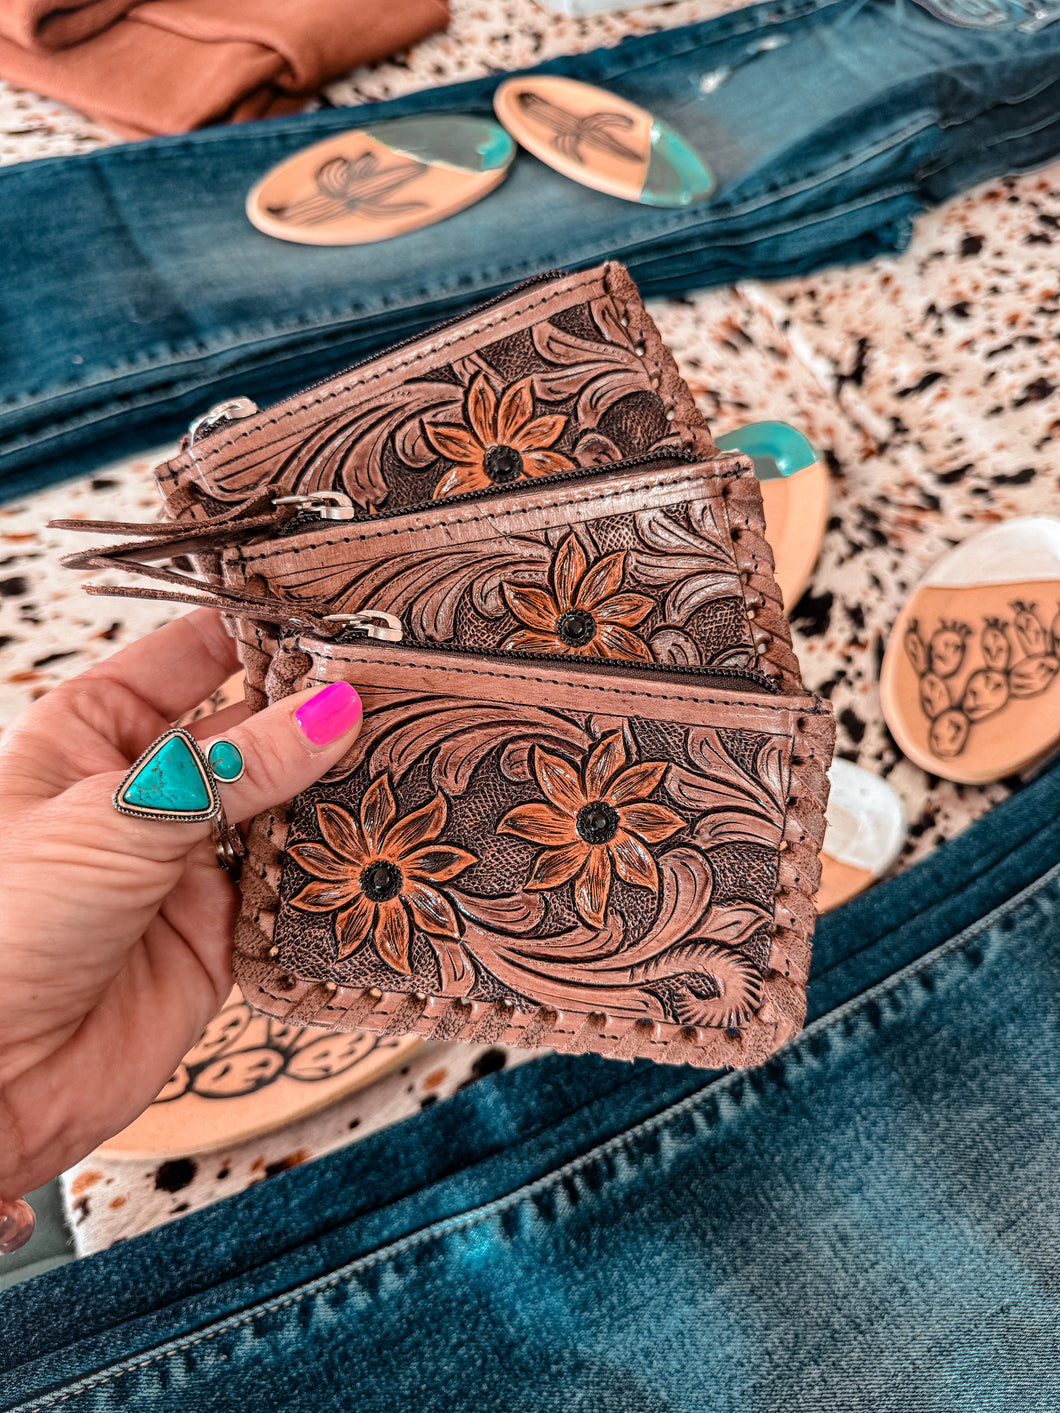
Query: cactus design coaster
column 971, row 677
column 249, row 1074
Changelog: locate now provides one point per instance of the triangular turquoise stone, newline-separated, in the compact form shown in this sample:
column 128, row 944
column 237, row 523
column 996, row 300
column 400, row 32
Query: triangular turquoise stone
column 169, row 781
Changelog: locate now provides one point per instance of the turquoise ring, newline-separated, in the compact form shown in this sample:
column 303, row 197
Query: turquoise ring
column 174, row 780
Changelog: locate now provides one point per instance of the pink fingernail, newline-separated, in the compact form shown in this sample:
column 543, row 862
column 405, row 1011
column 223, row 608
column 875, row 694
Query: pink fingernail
column 333, row 711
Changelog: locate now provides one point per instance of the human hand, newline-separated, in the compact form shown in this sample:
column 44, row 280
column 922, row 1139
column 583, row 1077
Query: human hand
column 116, row 932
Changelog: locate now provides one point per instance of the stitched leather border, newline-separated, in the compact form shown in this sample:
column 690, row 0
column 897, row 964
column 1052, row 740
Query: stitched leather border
column 269, row 988
column 746, row 517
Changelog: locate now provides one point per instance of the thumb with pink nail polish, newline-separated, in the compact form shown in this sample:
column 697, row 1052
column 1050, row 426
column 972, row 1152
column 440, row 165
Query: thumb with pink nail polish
column 290, row 745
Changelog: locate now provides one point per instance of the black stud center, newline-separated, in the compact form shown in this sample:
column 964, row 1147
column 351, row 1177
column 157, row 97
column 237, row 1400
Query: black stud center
column 381, row 881
column 502, row 463
column 577, row 628
column 597, row 823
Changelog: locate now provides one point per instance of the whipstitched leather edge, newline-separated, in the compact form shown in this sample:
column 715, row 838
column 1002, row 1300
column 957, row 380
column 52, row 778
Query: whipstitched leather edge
column 268, row 988
column 742, row 498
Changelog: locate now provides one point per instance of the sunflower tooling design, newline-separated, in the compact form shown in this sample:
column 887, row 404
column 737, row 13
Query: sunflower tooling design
column 671, row 594
column 521, row 852
column 379, row 875
column 594, row 823
column 503, row 439
column 584, row 612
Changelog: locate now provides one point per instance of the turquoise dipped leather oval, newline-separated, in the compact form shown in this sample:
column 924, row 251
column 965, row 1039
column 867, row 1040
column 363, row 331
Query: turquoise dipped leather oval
column 381, row 181
column 676, row 175
column 602, row 140
column 776, row 448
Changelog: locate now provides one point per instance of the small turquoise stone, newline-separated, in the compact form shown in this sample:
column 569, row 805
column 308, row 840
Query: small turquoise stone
column 169, row 781
column 226, row 761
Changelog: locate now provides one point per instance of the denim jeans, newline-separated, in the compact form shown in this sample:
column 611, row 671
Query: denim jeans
column 869, row 1221
column 136, row 292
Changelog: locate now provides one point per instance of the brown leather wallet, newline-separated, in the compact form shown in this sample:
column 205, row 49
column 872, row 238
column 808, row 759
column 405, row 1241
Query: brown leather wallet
column 657, row 560
column 562, row 371
column 587, row 856
column 586, row 802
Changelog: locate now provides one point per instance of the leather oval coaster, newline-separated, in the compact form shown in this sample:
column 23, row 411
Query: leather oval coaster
column 250, row 1074
column 796, row 514
column 380, row 181
column 602, row 141
column 970, row 684
column 794, row 483
column 866, row 829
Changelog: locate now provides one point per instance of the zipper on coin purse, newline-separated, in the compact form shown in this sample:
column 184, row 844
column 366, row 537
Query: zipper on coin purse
column 315, row 509
column 369, row 622
column 269, row 516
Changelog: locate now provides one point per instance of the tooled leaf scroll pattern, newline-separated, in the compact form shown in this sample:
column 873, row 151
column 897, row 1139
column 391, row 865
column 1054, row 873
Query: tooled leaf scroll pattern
column 591, row 864
column 404, row 444
column 672, row 594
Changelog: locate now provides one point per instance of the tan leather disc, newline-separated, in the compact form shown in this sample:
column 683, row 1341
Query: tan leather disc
column 796, row 512
column 970, row 684
column 839, row 883
column 865, row 834
column 601, row 140
column 250, row 1074
column 380, row 181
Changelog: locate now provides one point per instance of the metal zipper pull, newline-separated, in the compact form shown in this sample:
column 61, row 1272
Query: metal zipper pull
column 328, row 505
column 230, row 411
column 371, row 621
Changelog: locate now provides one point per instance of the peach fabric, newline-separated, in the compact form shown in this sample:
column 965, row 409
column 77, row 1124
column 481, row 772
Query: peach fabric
column 166, row 66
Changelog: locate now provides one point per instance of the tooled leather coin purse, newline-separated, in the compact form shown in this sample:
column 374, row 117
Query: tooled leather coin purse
column 585, row 805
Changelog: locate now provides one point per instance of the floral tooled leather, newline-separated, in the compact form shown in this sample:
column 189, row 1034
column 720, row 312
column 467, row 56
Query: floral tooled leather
column 502, row 441
column 637, row 565
column 602, row 853
column 595, row 824
column 571, row 372
column 583, row 611
column 627, row 924
column 379, row 876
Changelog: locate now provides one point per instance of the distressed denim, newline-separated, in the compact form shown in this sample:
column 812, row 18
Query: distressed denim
column 135, row 292
column 869, row 1221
